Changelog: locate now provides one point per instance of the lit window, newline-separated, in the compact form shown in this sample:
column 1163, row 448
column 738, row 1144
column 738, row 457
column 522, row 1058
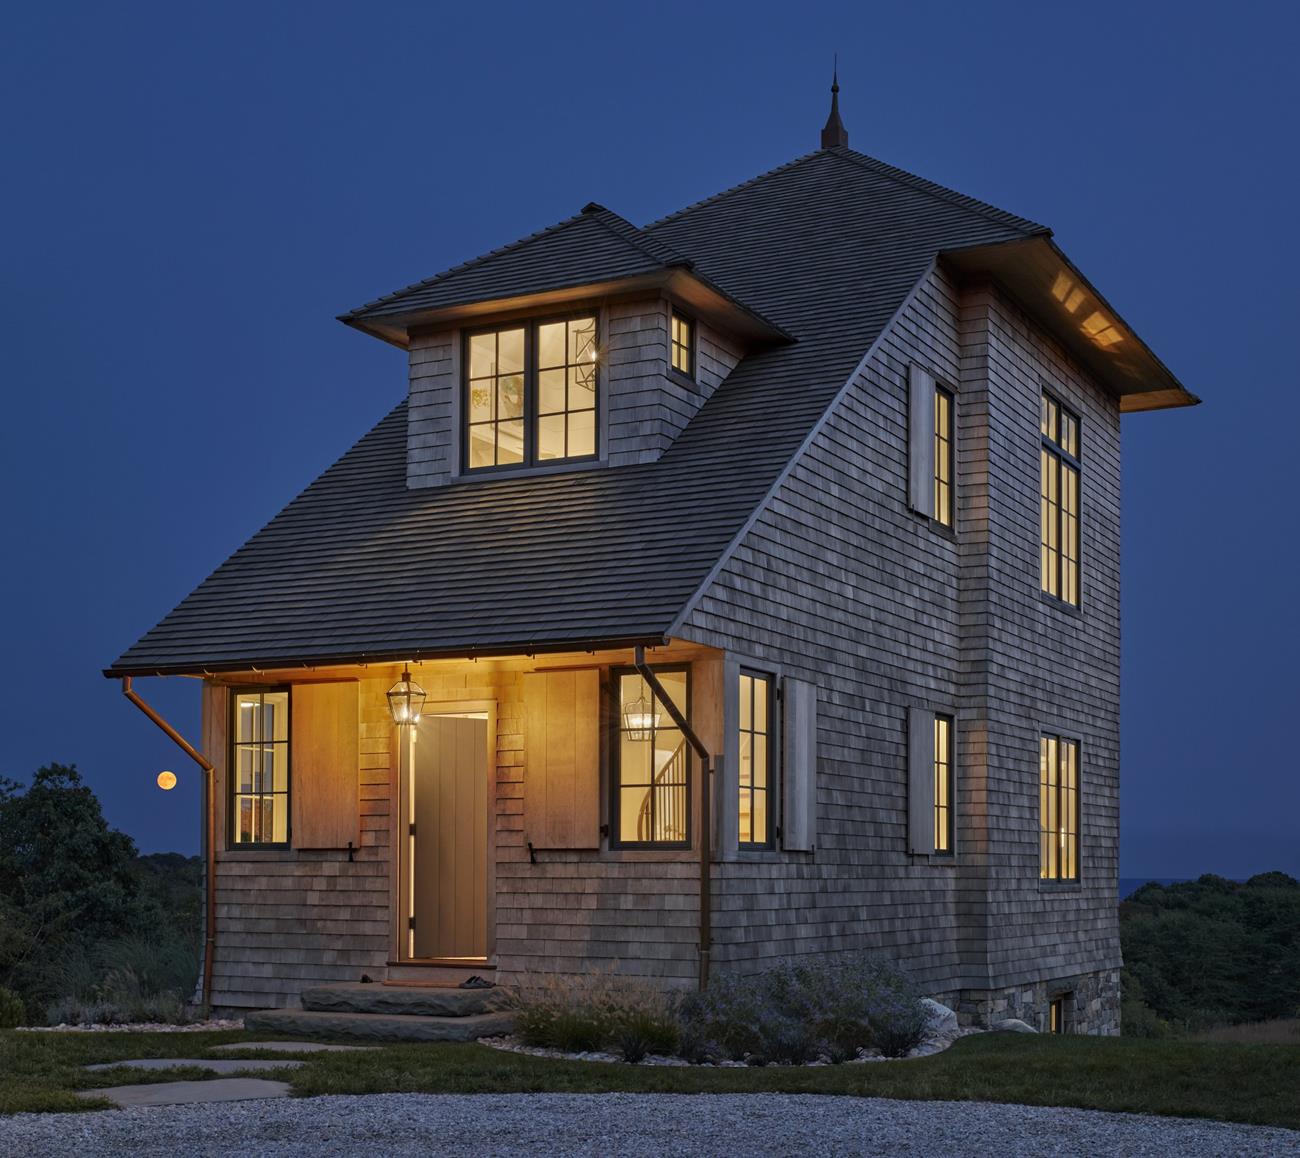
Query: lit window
column 651, row 763
column 755, row 827
column 943, row 456
column 943, row 802
column 683, row 345
column 1060, row 501
column 1058, row 795
column 259, row 778
column 1056, row 1015
column 530, row 394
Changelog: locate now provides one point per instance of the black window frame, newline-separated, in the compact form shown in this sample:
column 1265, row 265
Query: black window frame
column 531, row 401
column 950, row 438
column 691, row 347
column 1062, row 460
column 773, row 796
column 616, row 675
column 950, row 828
column 1058, row 877
column 232, row 770
column 1057, row 1016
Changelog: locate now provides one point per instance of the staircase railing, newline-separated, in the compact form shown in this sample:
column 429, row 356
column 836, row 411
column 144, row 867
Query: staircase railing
column 662, row 816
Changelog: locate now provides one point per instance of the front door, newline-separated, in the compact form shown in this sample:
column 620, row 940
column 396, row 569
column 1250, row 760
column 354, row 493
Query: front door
column 448, row 839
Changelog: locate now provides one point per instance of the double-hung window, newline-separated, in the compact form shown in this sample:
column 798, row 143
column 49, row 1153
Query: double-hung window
column 1059, row 494
column 259, row 768
column 651, row 763
column 1058, row 795
column 755, row 827
column 530, row 394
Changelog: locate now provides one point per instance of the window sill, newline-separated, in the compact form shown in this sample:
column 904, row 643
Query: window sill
column 934, row 859
column 941, row 529
column 1072, row 609
column 486, row 474
column 681, row 379
column 1050, row 886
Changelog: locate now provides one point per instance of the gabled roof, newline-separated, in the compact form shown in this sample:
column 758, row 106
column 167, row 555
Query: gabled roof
column 359, row 567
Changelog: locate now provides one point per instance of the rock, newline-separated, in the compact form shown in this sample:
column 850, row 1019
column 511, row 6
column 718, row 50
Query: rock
column 942, row 1020
column 1012, row 1025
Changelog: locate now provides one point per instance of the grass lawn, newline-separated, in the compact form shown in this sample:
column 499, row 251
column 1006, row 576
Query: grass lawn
column 1233, row 1082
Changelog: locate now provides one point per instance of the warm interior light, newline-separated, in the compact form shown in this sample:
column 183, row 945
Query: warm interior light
column 166, row 781
column 406, row 700
column 639, row 720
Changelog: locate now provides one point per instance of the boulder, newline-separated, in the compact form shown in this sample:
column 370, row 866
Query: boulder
column 942, row 1021
column 1012, row 1025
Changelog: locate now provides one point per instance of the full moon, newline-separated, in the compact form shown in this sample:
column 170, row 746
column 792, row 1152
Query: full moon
column 166, row 781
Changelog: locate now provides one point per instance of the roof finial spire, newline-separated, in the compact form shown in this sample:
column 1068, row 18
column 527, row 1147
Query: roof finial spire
column 835, row 134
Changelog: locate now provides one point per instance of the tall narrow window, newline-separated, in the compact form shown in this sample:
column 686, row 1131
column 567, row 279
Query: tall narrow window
column 943, row 811
column 683, row 345
column 1056, row 1015
column 1058, row 794
column 530, row 394
column 651, row 764
column 1060, row 501
column 943, row 456
column 259, row 768
column 755, row 820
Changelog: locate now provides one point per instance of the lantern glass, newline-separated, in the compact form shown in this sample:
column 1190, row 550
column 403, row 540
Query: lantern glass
column 406, row 700
column 639, row 718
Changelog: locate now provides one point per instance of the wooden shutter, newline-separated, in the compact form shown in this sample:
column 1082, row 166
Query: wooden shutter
column 324, row 758
column 562, row 759
column 920, row 441
column 920, row 781
column 799, row 766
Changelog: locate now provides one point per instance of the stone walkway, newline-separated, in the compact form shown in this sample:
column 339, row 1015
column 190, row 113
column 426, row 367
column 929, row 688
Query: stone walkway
column 218, row 1065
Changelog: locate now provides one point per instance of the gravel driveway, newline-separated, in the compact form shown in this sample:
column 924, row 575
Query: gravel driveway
column 626, row 1124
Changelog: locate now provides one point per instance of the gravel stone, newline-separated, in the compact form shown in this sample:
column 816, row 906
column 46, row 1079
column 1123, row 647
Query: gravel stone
column 628, row 1124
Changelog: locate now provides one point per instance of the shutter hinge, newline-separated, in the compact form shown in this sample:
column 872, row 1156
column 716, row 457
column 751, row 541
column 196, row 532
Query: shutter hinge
column 779, row 834
column 410, row 829
column 410, row 922
column 780, row 693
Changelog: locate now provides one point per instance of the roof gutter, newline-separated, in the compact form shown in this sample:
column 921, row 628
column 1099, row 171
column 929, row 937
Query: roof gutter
column 706, row 820
column 209, row 837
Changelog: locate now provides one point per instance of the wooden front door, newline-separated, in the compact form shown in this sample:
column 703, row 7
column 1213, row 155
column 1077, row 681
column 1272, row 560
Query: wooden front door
column 449, row 842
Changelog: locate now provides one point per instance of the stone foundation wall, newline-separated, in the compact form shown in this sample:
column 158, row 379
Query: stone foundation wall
column 1092, row 1004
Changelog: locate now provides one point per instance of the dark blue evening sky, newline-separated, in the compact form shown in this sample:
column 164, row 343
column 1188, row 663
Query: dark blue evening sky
column 190, row 194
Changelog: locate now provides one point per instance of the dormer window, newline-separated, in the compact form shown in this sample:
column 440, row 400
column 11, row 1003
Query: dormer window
column 683, row 345
column 530, row 394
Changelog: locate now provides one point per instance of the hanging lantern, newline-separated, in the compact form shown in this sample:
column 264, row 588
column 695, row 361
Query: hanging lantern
column 405, row 700
column 639, row 718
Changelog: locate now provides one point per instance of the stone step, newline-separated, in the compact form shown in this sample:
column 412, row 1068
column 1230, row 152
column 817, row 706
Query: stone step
column 379, row 1026
column 420, row 1001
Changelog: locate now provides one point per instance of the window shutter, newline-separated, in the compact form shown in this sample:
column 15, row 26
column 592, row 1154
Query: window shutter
column 920, row 441
column 324, row 758
column 562, row 759
column 920, row 781
column 799, row 766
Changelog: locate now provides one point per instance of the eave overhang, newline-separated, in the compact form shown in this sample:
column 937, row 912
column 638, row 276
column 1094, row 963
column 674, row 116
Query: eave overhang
column 703, row 298
column 387, row 656
column 1047, row 285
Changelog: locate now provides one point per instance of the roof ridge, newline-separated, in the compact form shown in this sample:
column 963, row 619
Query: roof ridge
column 491, row 253
column 734, row 189
column 633, row 235
column 940, row 192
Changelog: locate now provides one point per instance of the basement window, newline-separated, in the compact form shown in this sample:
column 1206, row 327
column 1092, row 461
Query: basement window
column 1056, row 1014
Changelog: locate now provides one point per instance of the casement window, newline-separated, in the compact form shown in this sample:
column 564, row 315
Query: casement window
column 259, row 766
column 650, row 764
column 1058, row 791
column 931, row 440
column 943, row 456
column 682, row 342
column 530, row 394
column 931, row 795
column 1059, row 490
column 756, row 824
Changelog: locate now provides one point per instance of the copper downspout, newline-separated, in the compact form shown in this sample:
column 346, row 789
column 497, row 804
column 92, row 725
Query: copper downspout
column 210, row 839
column 706, row 819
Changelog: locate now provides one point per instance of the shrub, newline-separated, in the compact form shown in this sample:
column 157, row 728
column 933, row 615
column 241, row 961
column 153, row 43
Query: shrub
column 119, row 1000
column 13, row 1010
column 589, row 1011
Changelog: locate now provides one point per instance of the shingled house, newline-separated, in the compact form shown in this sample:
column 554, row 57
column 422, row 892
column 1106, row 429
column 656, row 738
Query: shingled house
column 736, row 589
